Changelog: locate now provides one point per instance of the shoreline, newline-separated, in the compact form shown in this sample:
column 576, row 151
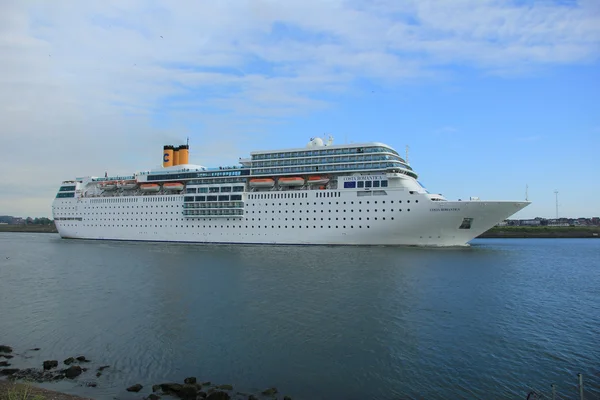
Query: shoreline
column 29, row 228
column 20, row 383
column 542, row 232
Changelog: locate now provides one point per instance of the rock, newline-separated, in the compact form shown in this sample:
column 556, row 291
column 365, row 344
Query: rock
column 49, row 364
column 98, row 374
column 4, row 364
column 135, row 388
column 102, row 368
column 218, row 396
column 84, row 369
column 69, row 361
column 201, row 395
column 82, row 359
column 188, row 392
column 9, row 371
column 37, row 375
column 225, row 387
column 153, row 397
column 91, row 384
column 35, row 349
column 156, row 388
column 190, row 381
column 287, row 398
column 171, row 387
column 5, row 349
column 270, row 392
column 8, row 357
column 73, row 371
column 252, row 397
column 206, row 383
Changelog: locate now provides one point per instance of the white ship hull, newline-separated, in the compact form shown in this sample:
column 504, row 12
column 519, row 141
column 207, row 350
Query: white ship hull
column 399, row 218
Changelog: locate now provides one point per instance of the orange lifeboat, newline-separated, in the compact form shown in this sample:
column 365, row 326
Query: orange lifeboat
column 150, row 187
column 262, row 182
column 175, row 186
column 291, row 181
column 318, row 180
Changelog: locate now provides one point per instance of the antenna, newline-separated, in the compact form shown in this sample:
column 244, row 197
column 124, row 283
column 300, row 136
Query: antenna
column 188, row 141
column 526, row 192
column 406, row 158
column 556, row 194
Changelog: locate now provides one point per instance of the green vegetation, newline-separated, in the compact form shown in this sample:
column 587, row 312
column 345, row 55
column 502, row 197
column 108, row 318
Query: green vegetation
column 29, row 228
column 21, row 391
column 543, row 231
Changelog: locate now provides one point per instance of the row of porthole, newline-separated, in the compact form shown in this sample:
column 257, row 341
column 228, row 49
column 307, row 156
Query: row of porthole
column 247, row 218
column 322, row 203
column 249, row 204
column 227, row 226
column 112, row 208
column 130, row 213
column 314, row 211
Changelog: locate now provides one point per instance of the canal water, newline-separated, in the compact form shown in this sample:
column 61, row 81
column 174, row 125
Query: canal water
column 495, row 320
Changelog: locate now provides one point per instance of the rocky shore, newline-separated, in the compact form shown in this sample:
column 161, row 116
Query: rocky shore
column 88, row 373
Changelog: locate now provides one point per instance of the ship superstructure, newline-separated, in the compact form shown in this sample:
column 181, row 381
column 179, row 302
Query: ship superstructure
column 352, row 194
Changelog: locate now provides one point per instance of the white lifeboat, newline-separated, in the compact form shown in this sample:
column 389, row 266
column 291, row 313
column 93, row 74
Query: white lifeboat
column 174, row 186
column 150, row 187
column 262, row 182
column 108, row 185
column 127, row 185
column 291, row 181
column 318, row 180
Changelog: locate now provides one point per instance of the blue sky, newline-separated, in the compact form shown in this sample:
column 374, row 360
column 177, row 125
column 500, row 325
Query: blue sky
column 489, row 95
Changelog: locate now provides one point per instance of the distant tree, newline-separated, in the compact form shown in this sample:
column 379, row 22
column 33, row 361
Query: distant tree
column 29, row 221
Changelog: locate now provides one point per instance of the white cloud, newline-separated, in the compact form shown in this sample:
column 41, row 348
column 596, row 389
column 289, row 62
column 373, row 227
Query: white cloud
column 82, row 84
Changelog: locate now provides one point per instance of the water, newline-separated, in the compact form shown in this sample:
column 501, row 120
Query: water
column 490, row 321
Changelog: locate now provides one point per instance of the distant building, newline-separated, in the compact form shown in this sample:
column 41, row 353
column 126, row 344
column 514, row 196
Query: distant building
column 557, row 222
column 530, row 222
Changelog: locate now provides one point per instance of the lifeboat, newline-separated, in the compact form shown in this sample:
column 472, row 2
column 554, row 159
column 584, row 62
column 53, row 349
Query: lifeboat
column 176, row 186
column 318, row 180
column 127, row 185
column 108, row 185
column 150, row 187
column 292, row 181
column 262, row 182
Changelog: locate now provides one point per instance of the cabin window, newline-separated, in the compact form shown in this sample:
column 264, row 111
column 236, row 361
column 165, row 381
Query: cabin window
column 349, row 185
column 361, row 184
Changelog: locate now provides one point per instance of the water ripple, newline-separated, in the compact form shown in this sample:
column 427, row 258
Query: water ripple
column 491, row 321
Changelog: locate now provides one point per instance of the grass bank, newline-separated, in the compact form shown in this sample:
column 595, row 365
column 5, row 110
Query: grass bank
column 29, row 228
column 25, row 391
column 543, row 232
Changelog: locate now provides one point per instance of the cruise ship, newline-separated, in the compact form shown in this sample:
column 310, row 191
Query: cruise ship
column 321, row 194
